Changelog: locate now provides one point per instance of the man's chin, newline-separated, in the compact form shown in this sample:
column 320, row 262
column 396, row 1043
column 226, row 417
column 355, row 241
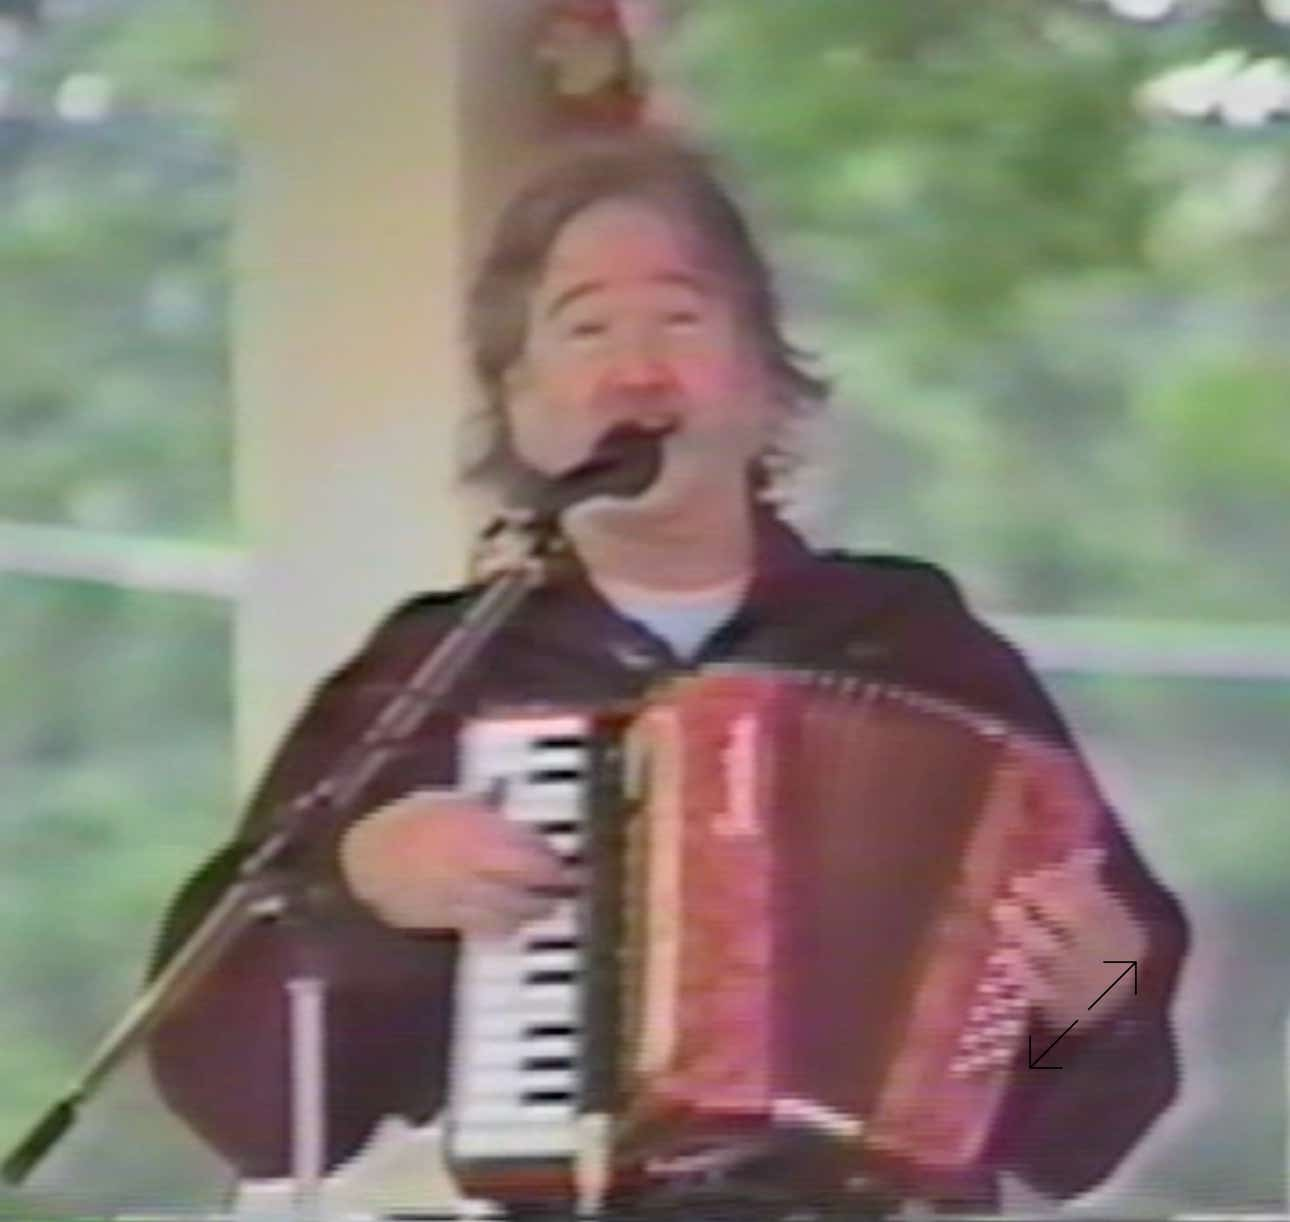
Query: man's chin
column 620, row 513
column 674, row 496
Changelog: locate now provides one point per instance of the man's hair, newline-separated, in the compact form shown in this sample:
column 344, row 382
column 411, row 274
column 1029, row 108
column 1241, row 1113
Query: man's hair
column 647, row 169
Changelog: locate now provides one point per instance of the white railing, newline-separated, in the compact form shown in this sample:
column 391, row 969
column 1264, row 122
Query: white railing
column 133, row 561
column 1053, row 644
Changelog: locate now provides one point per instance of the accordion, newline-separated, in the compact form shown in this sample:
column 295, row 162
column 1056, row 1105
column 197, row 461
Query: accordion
column 785, row 927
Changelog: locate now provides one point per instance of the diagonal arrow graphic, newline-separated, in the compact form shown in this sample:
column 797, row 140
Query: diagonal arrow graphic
column 1133, row 964
column 1034, row 1060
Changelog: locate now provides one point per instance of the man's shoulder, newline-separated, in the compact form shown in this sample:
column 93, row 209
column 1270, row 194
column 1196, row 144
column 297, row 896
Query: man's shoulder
column 917, row 606
column 429, row 606
column 896, row 580
column 422, row 616
column 408, row 629
column 931, row 638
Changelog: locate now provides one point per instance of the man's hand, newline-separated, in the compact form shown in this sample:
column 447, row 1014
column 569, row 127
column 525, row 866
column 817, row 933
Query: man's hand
column 440, row 860
column 1065, row 922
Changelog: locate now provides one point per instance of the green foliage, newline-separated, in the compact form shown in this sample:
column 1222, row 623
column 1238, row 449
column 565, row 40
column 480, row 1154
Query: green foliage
column 113, row 336
column 1058, row 332
column 1058, row 323
column 114, row 705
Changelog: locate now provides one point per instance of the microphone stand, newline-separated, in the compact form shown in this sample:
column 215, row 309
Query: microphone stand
column 625, row 463
column 260, row 891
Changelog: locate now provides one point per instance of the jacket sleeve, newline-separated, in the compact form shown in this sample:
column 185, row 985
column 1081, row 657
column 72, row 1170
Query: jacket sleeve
column 1065, row 1130
column 220, row 1057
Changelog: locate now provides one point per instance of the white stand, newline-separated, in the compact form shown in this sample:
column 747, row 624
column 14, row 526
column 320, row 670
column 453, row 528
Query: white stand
column 307, row 1016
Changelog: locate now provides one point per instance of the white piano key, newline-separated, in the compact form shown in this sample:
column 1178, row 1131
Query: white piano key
column 561, row 926
column 515, row 1051
column 511, row 1020
column 518, row 992
column 544, row 802
column 489, row 985
column 550, row 1047
column 480, row 954
column 550, row 996
column 552, row 1128
column 562, row 923
column 494, row 987
column 497, row 1141
column 552, row 961
column 543, row 1011
column 497, row 970
column 565, row 843
column 496, row 1085
column 503, row 1026
column 497, row 1002
column 527, row 725
column 516, row 758
column 548, row 802
column 504, row 1115
column 560, row 755
column 494, row 748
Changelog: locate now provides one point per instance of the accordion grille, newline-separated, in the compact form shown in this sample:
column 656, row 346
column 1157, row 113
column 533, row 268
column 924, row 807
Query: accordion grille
column 811, row 871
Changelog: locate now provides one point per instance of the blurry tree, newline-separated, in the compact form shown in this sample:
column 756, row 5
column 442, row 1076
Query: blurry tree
column 1057, row 328
column 116, row 167
column 1058, row 331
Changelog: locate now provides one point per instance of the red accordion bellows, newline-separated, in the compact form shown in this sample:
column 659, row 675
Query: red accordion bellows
column 810, row 879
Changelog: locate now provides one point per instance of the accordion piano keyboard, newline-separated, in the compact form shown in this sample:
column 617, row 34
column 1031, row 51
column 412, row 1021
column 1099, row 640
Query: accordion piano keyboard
column 514, row 1071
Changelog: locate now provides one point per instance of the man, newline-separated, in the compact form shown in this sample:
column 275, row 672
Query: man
column 622, row 288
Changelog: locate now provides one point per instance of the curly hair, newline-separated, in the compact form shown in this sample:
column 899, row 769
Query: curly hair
column 680, row 182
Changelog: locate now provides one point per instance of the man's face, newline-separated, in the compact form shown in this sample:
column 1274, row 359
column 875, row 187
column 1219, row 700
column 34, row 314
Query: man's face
column 629, row 324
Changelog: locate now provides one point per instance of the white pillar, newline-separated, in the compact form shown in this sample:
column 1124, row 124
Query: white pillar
column 377, row 140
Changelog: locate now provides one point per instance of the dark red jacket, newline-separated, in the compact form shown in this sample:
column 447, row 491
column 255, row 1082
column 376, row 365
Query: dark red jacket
column 220, row 1060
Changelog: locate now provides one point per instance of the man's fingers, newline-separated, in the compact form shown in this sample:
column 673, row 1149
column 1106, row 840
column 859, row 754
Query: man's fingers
column 483, row 922
column 1063, row 894
column 1035, row 938
column 1075, row 868
column 1038, row 985
column 521, row 861
column 508, row 903
column 1060, row 909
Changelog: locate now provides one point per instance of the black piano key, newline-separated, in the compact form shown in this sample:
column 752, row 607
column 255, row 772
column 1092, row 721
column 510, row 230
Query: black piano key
column 551, row 976
column 542, row 944
column 546, row 1096
column 560, row 742
column 559, row 827
column 600, row 917
column 554, row 776
column 537, row 1064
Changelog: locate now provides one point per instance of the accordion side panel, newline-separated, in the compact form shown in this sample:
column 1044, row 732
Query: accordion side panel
column 924, row 1113
column 809, row 887
column 705, row 979
column 655, row 887
column 885, row 802
column 969, row 1016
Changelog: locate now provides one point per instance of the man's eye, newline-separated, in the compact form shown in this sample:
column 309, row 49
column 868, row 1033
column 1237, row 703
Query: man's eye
column 682, row 318
column 587, row 330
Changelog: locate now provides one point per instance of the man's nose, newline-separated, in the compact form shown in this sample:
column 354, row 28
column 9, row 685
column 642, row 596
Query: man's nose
column 638, row 363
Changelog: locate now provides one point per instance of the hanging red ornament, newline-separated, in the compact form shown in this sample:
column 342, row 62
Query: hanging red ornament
column 592, row 75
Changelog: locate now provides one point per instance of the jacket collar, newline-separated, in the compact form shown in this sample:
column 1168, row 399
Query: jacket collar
column 574, row 613
column 779, row 555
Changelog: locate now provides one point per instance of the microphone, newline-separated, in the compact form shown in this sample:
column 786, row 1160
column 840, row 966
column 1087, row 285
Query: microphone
column 624, row 464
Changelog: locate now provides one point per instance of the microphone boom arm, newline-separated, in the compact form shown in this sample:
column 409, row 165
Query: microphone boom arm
column 625, row 463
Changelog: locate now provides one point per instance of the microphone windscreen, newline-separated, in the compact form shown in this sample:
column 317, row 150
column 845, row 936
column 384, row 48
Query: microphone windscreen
column 624, row 464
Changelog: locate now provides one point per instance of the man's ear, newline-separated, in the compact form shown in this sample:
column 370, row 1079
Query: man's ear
column 775, row 400
column 516, row 378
